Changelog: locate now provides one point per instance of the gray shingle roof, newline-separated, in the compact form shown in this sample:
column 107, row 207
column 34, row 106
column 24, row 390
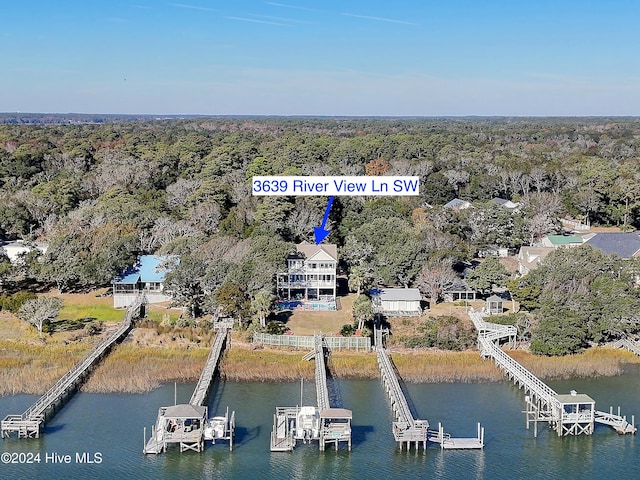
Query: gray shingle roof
column 625, row 244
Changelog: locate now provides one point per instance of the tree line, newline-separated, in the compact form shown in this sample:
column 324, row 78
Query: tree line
column 101, row 194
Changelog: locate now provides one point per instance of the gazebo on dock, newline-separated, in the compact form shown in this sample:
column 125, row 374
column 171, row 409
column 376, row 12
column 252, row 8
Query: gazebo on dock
column 576, row 414
column 335, row 427
column 183, row 424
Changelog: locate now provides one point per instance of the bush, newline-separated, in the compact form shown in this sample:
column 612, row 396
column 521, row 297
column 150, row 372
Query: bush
column 276, row 328
column 347, row 330
column 445, row 332
column 13, row 302
column 94, row 328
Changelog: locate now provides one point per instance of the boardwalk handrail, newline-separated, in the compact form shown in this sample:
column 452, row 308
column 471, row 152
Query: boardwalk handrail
column 35, row 411
column 550, row 407
column 202, row 387
column 302, row 341
column 628, row 344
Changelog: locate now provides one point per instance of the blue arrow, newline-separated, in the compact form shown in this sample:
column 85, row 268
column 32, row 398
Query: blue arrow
column 320, row 232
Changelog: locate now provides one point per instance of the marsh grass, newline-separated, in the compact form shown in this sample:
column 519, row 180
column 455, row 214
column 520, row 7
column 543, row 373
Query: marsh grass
column 31, row 367
column 436, row 366
column 132, row 368
column 595, row 362
column 265, row 365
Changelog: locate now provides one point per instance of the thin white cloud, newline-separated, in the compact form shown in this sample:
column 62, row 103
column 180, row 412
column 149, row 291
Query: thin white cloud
column 283, row 19
column 193, row 7
column 295, row 7
column 253, row 20
column 378, row 19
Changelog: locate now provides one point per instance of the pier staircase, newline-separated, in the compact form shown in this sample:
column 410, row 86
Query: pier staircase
column 568, row 414
column 407, row 429
column 31, row 422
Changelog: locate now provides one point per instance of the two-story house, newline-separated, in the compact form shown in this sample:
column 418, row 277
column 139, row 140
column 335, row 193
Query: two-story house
column 311, row 273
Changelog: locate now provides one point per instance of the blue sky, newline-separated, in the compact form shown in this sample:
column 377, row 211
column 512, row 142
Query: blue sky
column 298, row 57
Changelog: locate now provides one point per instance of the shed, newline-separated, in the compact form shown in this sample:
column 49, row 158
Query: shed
column 397, row 302
column 494, row 305
column 458, row 290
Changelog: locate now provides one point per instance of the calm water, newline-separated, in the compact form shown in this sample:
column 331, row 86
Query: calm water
column 112, row 425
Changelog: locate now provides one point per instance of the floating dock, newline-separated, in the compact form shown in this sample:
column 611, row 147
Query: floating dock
column 567, row 414
column 188, row 425
column 31, row 423
column 407, row 429
column 323, row 423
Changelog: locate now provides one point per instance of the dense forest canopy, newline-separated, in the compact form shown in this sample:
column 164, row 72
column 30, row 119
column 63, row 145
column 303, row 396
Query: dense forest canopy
column 102, row 193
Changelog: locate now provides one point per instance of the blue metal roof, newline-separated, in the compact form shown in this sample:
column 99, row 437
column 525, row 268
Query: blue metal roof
column 146, row 270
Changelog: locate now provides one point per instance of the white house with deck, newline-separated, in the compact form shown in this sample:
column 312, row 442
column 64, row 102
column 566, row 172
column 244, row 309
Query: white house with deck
column 146, row 276
column 397, row 302
column 311, row 273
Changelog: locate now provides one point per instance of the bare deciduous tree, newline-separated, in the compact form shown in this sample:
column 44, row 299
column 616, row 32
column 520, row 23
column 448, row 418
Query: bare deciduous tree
column 40, row 310
column 434, row 276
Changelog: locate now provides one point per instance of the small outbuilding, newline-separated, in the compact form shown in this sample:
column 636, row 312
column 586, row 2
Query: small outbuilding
column 458, row 290
column 494, row 305
column 397, row 302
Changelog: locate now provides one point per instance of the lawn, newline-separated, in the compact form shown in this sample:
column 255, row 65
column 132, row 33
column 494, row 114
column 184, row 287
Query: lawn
column 308, row 323
column 89, row 305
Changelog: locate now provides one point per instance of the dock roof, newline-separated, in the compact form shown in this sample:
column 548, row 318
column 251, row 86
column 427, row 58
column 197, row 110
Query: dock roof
column 185, row 410
column 574, row 398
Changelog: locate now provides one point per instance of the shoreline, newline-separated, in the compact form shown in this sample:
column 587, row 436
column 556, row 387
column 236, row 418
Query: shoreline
column 135, row 368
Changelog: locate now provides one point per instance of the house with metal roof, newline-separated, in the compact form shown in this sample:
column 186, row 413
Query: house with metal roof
column 561, row 241
column 146, row 276
column 397, row 302
column 506, row 203
column 457, row 204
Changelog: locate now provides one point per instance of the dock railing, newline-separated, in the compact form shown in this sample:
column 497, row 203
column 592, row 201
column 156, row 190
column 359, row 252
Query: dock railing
column 306, row 342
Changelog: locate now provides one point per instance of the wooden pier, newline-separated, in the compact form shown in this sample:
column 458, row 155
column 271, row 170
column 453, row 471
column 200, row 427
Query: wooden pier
column 31, row 423
column 407, row 429
column 567, row 414
column 627, row 344
column 308, row 423
column 187, row 424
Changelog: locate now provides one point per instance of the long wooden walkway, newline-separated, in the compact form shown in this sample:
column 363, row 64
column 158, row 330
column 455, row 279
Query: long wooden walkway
column 408, row 429
column 31, row 422
column 543, row 403
column 201, row 391
column 322, row 391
